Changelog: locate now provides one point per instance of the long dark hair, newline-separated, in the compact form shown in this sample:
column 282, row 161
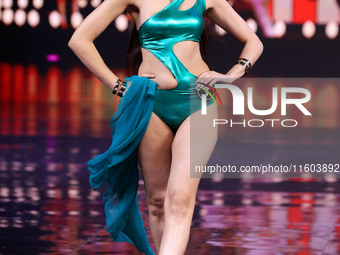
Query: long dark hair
column 133, row 57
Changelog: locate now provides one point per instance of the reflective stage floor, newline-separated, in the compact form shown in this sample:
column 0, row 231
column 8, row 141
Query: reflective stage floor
column 47, row 206
column 52, row 124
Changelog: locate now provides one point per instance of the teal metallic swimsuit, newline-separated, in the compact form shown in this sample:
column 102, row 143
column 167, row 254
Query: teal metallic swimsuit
column 158, row 35
column 118, row 166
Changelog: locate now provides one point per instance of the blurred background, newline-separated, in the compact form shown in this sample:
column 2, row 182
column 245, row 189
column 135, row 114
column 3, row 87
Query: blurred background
column 54, row 117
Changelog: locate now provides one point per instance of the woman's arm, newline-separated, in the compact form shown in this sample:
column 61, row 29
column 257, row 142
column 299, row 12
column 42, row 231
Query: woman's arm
column 221, row 13
column 95, row 23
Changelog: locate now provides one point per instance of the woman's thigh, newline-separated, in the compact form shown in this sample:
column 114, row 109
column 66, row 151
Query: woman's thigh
column 193, row 145
column 154, row 156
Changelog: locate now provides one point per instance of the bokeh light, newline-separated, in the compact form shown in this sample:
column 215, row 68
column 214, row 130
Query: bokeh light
column 22, row 4
column 55, row 19
column 52, row 57
column 7, row 3
column 252, row 24
column 280, row 28
column 20, row 17
column 33, row 18
column 38, row 4
column 122, row 23
column 76, row 19
column 95, row 3
column 220, row 31
column 308, row 29
column 82, row 3
column 7, row 16
column 332, row 29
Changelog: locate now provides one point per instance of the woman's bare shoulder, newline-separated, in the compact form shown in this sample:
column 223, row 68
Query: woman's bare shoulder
column 215, row 4
column 97, row 21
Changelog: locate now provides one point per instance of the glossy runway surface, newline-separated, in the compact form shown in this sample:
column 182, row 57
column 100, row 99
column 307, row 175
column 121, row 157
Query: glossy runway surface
column 47, row 206
column 48, row 133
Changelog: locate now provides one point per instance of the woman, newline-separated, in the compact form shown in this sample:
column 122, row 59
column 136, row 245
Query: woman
column 169, row 34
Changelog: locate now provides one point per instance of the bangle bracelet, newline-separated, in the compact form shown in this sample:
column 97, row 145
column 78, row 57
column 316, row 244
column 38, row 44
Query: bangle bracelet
column 121, row 92
column 115, row 88
column 246, row 60
column 245, row 63
column 122, row 88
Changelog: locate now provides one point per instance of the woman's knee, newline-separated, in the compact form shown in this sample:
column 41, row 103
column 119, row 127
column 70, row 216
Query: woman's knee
column 155, row 201
column 179, row 203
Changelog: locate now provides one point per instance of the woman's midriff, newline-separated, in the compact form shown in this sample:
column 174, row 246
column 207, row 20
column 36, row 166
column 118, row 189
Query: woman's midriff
column 190, row 57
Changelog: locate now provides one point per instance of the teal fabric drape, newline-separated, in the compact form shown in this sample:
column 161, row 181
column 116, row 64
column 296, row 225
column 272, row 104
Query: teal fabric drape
column 118, row 168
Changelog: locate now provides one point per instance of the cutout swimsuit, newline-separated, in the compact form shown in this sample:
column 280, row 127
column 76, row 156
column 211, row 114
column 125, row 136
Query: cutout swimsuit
column 118, row 166
column 158, row 34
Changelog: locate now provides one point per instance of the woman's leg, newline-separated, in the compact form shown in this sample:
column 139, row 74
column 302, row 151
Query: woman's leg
column 154, row 156
column 181, row 190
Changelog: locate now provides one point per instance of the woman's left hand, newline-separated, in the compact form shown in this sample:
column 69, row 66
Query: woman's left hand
column 212, row 77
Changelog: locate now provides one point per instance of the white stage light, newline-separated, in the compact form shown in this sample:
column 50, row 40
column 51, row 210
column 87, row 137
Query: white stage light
column 220, row 31
column 332, row 29
column 121, row 23
column 33, row 18
column 76, row 19
column 252, row 24
column 82, row 3
column 20, row 17
column 22, row 4
column 55, row 19
column 7, row 16
column 280, row 28
column 308, row 29
column 95, row 3
column 7, row 3
column 37, row 4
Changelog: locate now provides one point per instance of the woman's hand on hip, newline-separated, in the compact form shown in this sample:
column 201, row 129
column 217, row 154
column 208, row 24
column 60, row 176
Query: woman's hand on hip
column 212, row 77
